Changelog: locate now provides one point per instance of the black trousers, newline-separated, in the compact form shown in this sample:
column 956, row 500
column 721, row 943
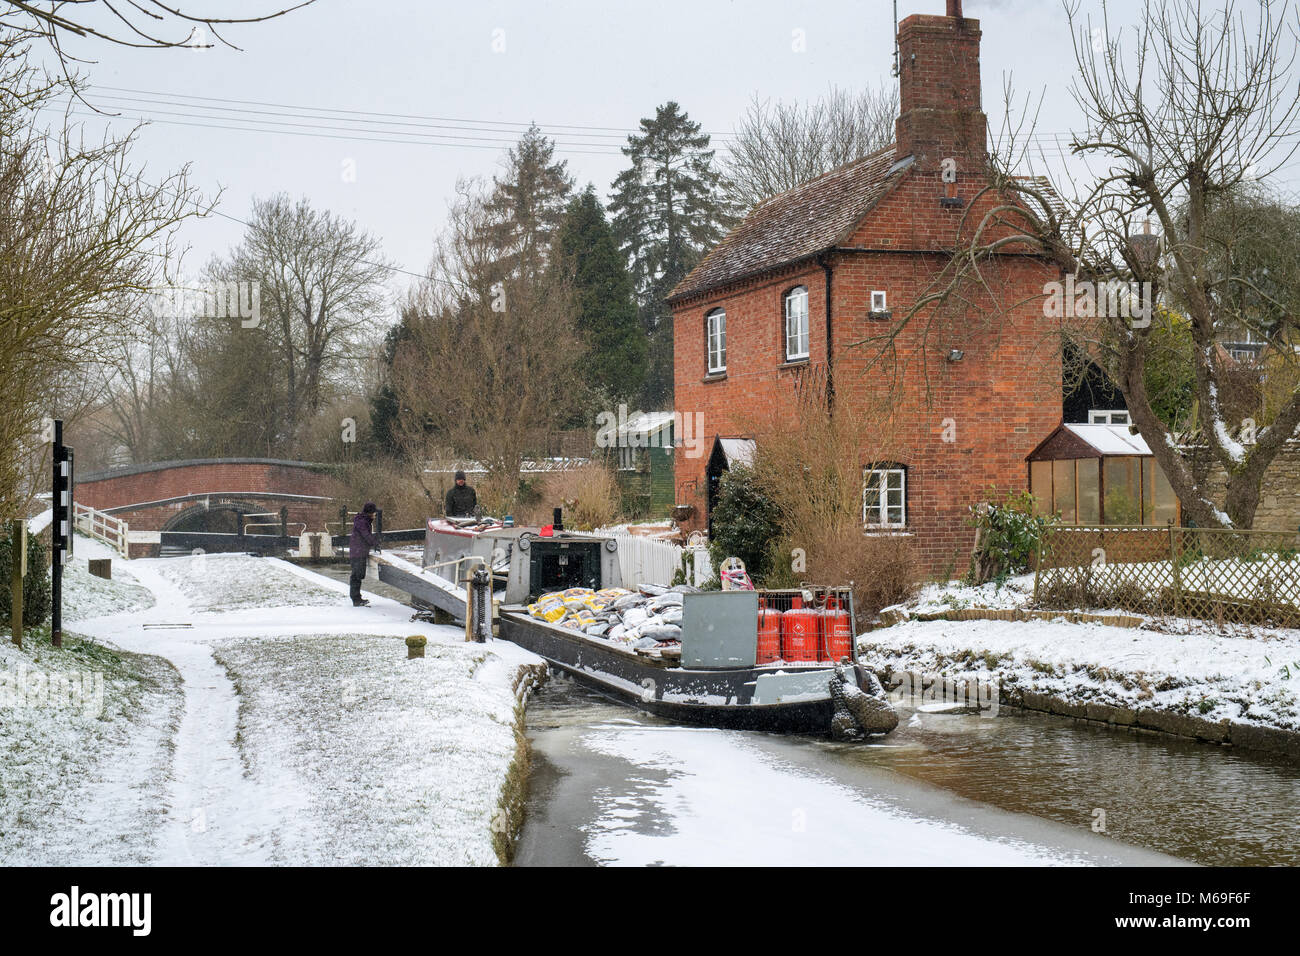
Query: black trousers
column 358, row 575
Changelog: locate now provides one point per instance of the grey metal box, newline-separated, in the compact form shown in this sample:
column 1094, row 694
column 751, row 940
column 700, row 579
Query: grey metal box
column 720, row 629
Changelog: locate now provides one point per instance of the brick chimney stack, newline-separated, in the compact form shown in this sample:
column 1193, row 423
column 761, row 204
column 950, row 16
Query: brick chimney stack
column 940, row 109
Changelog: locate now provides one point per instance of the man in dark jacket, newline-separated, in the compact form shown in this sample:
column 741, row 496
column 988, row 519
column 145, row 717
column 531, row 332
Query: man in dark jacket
column 461, row 499
column 359, row 545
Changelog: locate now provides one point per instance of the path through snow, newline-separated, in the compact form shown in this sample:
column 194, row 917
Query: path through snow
column 219, row 809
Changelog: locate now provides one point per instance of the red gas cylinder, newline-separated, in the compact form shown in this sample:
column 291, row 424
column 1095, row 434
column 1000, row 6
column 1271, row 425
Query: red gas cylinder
column 835, row 632
column 799, row 633
column 769, row 635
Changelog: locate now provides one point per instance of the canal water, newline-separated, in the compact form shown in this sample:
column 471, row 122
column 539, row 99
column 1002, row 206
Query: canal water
column 610, row 784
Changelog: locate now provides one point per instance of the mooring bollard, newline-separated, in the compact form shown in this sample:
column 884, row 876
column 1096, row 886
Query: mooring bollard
column 415, row 646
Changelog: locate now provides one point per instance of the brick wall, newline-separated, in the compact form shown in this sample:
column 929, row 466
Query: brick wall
column 998, row 402
column 940, row 113
column 221, row 478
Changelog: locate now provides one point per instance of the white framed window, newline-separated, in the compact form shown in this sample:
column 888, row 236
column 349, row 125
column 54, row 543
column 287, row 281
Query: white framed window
column 884, row 497
column 796, row 324
column 1098, row 416
column 717, row 341
column 879, row 302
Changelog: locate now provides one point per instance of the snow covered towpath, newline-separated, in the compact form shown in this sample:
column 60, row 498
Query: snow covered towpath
column 307, row 737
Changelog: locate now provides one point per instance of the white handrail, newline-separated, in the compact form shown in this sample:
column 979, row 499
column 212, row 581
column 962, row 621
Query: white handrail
column 102, row 527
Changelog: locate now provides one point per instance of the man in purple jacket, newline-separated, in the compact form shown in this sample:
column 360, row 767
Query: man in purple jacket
column 359, row 545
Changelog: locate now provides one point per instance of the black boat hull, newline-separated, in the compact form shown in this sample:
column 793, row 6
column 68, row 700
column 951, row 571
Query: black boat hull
column 762, row 698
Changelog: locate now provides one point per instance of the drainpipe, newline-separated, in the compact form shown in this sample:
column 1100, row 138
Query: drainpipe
column 830, row 338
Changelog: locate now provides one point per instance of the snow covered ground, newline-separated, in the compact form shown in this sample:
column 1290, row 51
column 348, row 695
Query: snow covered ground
column 85, row 595
column 232, row 582
column 1253, row 679
column 955, row 596
column 296, row 732
column 85, row 751
column 371, row 757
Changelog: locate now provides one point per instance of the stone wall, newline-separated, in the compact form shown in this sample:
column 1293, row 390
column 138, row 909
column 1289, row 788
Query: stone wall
column 1279, row 500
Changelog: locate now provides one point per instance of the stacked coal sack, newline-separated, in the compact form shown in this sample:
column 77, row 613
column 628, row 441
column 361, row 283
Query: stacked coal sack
column 650, row 616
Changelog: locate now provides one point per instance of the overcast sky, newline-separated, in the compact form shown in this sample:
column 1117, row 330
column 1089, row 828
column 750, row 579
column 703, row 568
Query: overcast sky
column 481, row 71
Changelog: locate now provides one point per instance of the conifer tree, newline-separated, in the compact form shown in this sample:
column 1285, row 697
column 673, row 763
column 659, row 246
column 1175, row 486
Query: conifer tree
column 607, row 313
column 528, row 203
column 668, row 210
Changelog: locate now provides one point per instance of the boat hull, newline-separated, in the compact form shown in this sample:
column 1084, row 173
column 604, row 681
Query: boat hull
column 760, row 698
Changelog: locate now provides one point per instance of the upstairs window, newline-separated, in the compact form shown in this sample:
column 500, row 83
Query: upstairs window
column 1097, row 416
column 716, row 322
column 884, row 497
column 796, row 324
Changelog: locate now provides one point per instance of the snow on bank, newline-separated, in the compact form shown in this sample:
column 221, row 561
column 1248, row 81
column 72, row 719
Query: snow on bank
column 955, row 596
column 384, row 760
column 1211, row 676
column 85, row 750
column 306, row 735
column 229, row 582
column 85, row 595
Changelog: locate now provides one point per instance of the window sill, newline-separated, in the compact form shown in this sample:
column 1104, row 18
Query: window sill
column 714, row 377
column 881, row 531
column 793, row 363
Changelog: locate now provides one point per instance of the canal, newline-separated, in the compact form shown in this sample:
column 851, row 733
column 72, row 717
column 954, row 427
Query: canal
column 611, row 785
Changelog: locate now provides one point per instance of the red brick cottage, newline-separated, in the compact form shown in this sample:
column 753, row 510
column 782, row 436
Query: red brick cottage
column 791, row 294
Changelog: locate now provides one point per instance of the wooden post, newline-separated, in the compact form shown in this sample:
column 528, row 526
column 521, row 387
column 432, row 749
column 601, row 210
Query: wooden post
column 18, row 559
column 1173, row 564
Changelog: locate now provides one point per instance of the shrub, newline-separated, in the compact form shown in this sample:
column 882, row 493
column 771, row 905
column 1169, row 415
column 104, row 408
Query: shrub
column 744, row 523
column 392, row 487
column 1008, row 537
column 36, row 586
column 588, row 494
column 884, row 570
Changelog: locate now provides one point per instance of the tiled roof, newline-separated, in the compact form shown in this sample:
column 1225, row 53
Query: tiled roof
column 799, row 223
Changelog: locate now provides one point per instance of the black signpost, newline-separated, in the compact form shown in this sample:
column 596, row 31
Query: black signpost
column 60, row 530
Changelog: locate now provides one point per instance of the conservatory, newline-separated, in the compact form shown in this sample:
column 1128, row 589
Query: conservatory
column 1100, row 475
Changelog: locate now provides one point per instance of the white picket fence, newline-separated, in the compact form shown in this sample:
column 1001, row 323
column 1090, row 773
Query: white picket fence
column 100, row 526
column 644, row 560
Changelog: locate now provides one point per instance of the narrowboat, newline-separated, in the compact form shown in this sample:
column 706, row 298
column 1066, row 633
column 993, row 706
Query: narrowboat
column 758, row 660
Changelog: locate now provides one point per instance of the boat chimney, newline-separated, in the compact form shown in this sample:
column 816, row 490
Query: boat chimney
column 557, row 519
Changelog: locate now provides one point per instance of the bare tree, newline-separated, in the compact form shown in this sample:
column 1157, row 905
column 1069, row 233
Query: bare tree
column 491, row 357
column 318, row 280
column 79, row 229
column 1177, row 120
column 779, row 146
column 143, row 24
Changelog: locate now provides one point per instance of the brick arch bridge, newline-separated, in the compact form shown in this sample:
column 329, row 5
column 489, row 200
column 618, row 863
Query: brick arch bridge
column 187, row 495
